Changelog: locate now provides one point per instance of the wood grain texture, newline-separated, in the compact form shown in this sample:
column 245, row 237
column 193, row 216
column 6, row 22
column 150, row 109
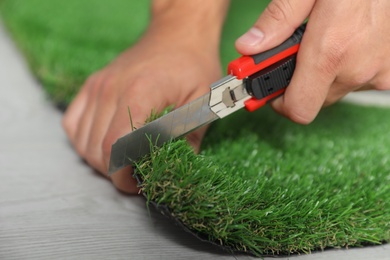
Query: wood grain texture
column 53, row 206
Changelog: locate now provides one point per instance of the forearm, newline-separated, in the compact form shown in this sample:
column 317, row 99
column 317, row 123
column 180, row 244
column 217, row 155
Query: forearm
column 195, row 21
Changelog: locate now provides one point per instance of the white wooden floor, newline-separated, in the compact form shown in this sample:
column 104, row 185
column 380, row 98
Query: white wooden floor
column 52, row 206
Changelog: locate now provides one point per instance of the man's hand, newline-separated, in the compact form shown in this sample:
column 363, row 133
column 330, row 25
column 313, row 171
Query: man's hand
column 173, row 63
column 346, row 47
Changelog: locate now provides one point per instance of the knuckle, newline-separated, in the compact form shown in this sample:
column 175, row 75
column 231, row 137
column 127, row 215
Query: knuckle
column 331, row 58
column 278, row 10
column 92, row 81
column 105, row 89
column 99, row 84
column 139, row 83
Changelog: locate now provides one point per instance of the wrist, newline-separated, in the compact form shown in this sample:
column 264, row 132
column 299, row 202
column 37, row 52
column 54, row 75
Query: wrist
column 189, row 22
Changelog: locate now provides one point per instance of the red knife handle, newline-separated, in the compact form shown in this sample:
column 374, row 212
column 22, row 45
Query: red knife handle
column 267, row 74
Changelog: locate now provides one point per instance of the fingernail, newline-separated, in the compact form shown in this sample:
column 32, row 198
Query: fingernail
column 252, row 37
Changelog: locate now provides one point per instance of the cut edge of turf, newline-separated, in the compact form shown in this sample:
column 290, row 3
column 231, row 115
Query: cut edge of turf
column 172, row 194
column 168, row 201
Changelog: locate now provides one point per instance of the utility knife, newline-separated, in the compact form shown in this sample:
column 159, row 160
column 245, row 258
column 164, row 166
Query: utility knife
column 252, row 82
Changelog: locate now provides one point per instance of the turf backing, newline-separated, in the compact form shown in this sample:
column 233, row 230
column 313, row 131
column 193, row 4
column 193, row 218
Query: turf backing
column 261, row 184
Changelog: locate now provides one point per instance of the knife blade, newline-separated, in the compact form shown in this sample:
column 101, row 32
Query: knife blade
column 252, row 82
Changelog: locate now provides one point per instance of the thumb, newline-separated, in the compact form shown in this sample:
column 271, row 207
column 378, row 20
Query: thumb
column 278, row 22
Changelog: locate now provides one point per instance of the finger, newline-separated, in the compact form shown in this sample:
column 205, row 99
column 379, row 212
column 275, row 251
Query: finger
column 337, row 91
column 86, row 119
column 74, row 112
column 121, row 125
column 195, row 138
column 278, row 22
column 382, row 80
column 314, row 74
column 104, row 113
column 124, row 181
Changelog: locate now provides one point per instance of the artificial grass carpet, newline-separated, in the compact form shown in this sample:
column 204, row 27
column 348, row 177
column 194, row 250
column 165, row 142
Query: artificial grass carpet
column 265, row 185
column 261, row 184
column 65, row 41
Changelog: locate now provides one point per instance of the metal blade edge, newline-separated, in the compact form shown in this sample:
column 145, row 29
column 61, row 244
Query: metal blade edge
column 175, row 124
